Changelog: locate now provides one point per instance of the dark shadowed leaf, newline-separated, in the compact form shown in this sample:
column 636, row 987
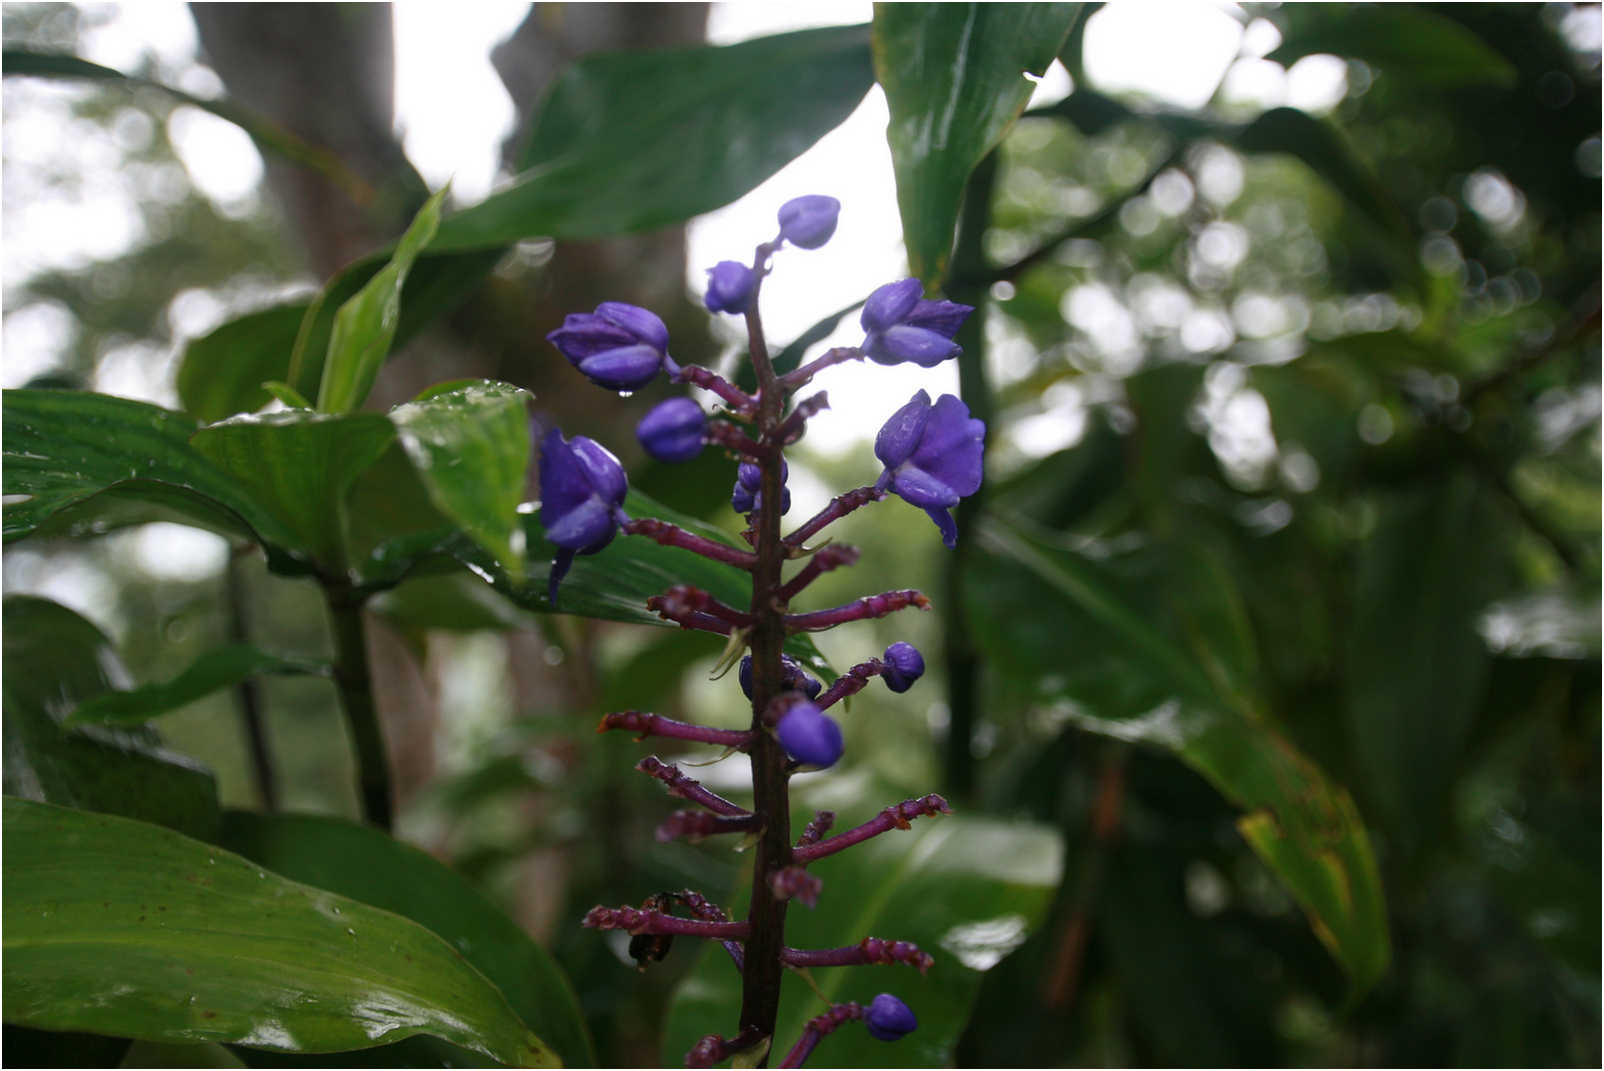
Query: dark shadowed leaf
column 217, row 669
column 1129, row 679
column 954, row 76
column 1407, row 41
column 966, row 890
column 727, row 117
column 366, row 865
column 101, row 922
column 222, row 373
column 54, row 661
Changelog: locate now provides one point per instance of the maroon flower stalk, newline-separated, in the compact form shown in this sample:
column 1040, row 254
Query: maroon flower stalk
column 931, row 453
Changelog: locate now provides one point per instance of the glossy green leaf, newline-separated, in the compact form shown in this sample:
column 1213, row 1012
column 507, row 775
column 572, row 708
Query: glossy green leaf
column 299, row 464
column 55, row 660
column 615, row 584
column 365, row 325
column 470, row 447
column 1408, row 41
column 213, row 671
column 727, row 116
column 1102, row 647
column 102, row 919
column 456, row 601
column 954, row 77
column 364, row 864
column 966, row 890
column 223, row 372
column 63, row 448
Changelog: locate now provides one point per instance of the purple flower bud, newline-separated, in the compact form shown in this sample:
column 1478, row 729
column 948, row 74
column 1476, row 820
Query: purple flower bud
column 903, row 666
column 729, row 285
column 582, row 489
column 792, row 675
column 810, row 736
column 807, row 222
column 619, row 346
column 673, row 430
column 747, row 495
column 902, row 326
column 933, row 456
column 888, row 1019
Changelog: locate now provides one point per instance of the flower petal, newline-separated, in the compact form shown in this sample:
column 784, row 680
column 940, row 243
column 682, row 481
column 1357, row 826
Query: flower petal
column 900, row 435
column 948, row 526
column 624, row 368
column 643, row 324
column 902, row 342
column 606, row 475
column 890, row 304
column 919, row 488
column 942, row 317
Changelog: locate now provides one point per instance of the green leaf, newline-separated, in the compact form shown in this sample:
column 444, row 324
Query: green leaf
column 954, row 76
column 470, row 446
column 365, row 325
column 102, row 918
column 63, row 448
column 1410, row 42
column 364, row 864
column 286, row 394
column 966, row 890
column 221, row 668
column 55, row 661
column 615, row 584
column 299, row 465
column 1128, row 679
column 223, row 373
column 727, row 116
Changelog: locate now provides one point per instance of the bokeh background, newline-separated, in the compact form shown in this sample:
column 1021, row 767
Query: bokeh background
column 1321, row 413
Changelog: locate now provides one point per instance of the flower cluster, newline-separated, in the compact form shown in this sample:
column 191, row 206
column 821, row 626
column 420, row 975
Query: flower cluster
column 931, row 455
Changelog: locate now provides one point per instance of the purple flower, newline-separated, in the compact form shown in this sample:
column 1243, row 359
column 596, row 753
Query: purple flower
column 810, row 736
column 792, row 675
column 747, row 495
column 582, row 489
column 673, row 430
column 903, row 666
column 934, row 455
column 729, row 285
column 807, row 222
column 902, row 326
column 619, row 346
column 888, row 1018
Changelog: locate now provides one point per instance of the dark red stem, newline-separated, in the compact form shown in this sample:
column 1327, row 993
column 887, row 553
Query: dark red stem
column 687, row 788
column 797, row 423
column 644, row 725
column 694, row 608
column 733, row 438
column 817, row 1028
column 870, row 950
column 636, row 920
column 672, row 535
column 839, row 507
column 896, row 817
column 851, row 682
column 822, row 821
column 707, row 379
column 824, row 559
column 870, row 606
column 801, row 376
column 695, row 825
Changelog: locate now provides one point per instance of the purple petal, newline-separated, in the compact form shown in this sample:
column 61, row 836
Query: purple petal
column 888, row 1019
column 564, row 484
column 900, row 343
column 673, row 430
column 583, row 334
column 810, row 736
column 559, row 569
column 919, row 488
column 606, row 475
column 948, row 526
column 942, row 317
column 643, row 324
column 952, row 448
column 624, row 368
column 588, row 523
column 808, row 222
column 904, row 665
column 900, row 435
column 729, row 285
column 890, row 304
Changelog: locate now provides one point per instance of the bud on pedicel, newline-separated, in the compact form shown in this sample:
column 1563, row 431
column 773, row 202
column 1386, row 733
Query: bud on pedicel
column 793, row 676
column 807, row 222
column 619, row 346
column 810, row 736
column 903, row 666
column 747, row 496
column 673, row 430
column 888, row 1019
column 582, row 489
column 729, row 286
column 933, row 456
column 902, row 326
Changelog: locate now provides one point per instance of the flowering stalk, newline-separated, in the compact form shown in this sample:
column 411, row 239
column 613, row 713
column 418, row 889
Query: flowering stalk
column 931, row 453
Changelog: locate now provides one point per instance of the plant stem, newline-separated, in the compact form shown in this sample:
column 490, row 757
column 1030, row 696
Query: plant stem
column 249, row 692
column 760, row 981
column 355, row 684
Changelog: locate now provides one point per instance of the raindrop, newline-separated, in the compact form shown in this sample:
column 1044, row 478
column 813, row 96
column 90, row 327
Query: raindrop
column 626, row 394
